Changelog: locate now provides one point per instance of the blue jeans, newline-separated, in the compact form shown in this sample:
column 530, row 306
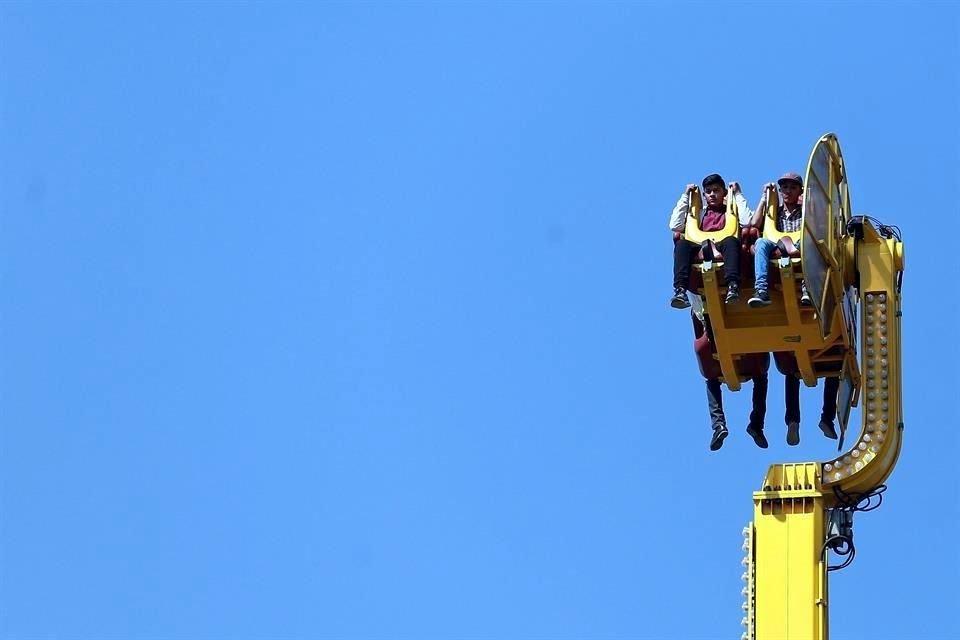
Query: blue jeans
column 763, row 250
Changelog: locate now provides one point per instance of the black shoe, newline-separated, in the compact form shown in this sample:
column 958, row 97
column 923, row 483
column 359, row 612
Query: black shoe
column 760, row 299
column 793, row 433
column 679, row 299
column 805, row 299
column 733, row 293
column 718, row 435
column 828, row 430
column 756, row 433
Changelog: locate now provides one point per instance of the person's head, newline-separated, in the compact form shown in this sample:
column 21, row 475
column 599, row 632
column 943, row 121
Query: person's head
column 791, row 186
column 715, row 189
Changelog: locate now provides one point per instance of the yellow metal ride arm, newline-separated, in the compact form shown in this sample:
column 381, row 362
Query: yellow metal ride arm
column 804, row 510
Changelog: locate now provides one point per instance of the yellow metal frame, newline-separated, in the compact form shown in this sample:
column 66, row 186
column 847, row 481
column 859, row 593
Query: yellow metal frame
column 873, row 454
column 785, row 326
column 786, row 579
column 790, row 571
column 831, row 247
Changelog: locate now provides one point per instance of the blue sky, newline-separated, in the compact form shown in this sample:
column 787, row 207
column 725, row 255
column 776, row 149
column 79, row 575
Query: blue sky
column 351, row 321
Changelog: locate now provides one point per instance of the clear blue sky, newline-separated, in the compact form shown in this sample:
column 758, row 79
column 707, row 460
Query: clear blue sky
column 350, row 321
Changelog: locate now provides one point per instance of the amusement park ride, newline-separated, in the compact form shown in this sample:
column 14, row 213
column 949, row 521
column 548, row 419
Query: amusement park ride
column 804, row 510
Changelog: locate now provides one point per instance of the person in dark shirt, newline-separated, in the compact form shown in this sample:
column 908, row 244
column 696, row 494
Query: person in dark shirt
column 712, row 218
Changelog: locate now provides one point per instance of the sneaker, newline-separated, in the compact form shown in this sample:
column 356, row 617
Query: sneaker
column 828, row 430
column 718, row 435
column 733, row 293
column 760, row 299
column 679, row 299
column 756, row 432
column 793, row 433
column 805, row 299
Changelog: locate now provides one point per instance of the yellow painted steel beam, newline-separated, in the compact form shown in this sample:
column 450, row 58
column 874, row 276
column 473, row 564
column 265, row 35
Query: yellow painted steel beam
column 873, row 453
column 787, row 586
column 790, row 598
column 740, row 331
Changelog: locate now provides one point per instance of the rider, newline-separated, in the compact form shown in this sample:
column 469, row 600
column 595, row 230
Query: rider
column 712, row 218
column 789, row 220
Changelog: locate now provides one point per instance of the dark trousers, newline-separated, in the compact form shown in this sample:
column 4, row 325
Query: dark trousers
column 715, row 402
column 685, row 251
column 791, row 394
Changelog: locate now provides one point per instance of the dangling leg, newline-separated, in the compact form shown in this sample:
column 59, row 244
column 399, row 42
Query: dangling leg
column 683, row 254
column 717, row 419
column 829, row 412
column 759, row 411
column 791, row 396
column 730, row 250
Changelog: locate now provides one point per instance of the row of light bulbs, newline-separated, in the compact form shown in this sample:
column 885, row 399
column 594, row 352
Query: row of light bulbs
column 878, row 393
column 746, row 592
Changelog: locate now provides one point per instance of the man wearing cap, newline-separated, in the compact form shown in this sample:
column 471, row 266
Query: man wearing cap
column 789, row 219
column 712, row 218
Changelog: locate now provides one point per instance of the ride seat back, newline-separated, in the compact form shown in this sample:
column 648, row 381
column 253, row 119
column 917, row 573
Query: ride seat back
column 692, row 230
column 789, row 239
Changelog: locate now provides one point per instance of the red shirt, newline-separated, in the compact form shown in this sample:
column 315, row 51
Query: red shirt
column 713, row 219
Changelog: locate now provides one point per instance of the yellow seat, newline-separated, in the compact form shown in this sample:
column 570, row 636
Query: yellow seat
column 692, row 230
column 770, row 231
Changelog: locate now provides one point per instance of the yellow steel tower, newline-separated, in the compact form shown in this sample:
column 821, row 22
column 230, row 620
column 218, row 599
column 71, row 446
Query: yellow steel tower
column 803, row 511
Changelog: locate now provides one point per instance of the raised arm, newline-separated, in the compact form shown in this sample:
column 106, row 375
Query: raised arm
column 757, row 219
column 744, row 210
column 678, row 218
